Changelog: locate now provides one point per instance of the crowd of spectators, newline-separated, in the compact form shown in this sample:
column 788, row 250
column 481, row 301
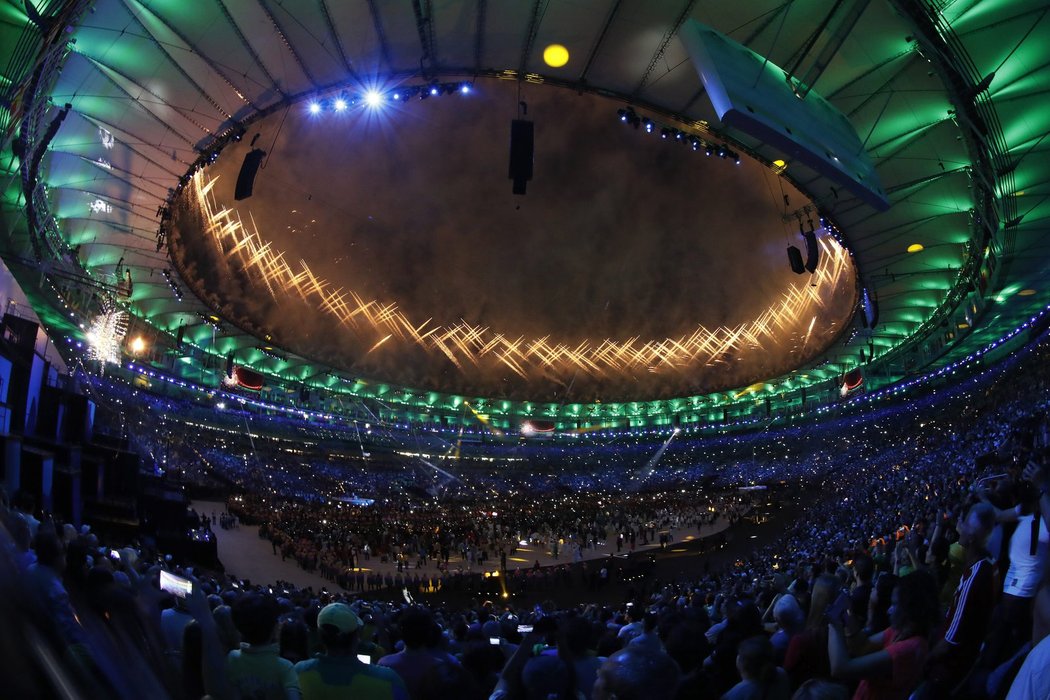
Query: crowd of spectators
column 918, row 570
column 448, row 538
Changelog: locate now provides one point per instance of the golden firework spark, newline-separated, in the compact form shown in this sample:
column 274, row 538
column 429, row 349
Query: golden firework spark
column 779, row 325
column 383, row 340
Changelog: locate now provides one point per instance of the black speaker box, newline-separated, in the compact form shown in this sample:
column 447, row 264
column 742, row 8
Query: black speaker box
column 795, row 258
column 812, row 251
column 521, row 150
column 249, row 169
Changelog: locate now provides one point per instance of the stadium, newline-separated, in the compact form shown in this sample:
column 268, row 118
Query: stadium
column 525, row 349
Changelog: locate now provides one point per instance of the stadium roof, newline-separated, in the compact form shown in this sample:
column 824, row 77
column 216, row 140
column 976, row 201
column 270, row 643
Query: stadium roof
column 946, row 98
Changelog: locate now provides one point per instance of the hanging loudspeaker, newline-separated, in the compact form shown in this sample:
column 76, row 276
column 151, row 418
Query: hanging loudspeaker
column 812, row 251
column 795, row 258
column 521, row 148
column 246, row 178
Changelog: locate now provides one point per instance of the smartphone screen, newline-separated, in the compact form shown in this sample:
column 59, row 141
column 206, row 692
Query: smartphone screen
column 176, row 585
column 114, row 554
column 494, row 641
column 364, row 658
column 524, row 629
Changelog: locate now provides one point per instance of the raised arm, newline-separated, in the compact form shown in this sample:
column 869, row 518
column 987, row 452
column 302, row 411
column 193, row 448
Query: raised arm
column 1008, row 515
column 1037, row 475
column 213, row 657
column 877, row 663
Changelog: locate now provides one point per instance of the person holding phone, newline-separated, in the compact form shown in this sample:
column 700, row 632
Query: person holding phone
column 891, row 665
column 173, row 620
column 338, row 672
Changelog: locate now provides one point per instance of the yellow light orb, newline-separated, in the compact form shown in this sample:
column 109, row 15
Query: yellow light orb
column 138, row 345
column 915, row 247
column 555, row 55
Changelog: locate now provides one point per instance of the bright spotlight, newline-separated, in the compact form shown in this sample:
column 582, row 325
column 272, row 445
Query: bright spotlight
column 465, row 89
column 555, row 55
column 138, row 345
column 340, row 105
column 315, row 108
column 373, row 98
column 434, row 90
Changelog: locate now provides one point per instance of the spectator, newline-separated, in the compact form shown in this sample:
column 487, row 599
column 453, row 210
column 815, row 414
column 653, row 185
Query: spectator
column 546, row 677
column 649, row 637
column 790, row 622
column 173, row 622
column 256, row 671
column 1028, row 556
column 338, row 673
column 294, row 639
column 892, row 663
column 878, row 617
column 632, row 629
column 574, row 647
column 743, row 621
column 637, row 673
column 45, row 580
column 761, row 678
column 863, row 572
column 414, row 662
column 967, row 622
column 807, row 653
